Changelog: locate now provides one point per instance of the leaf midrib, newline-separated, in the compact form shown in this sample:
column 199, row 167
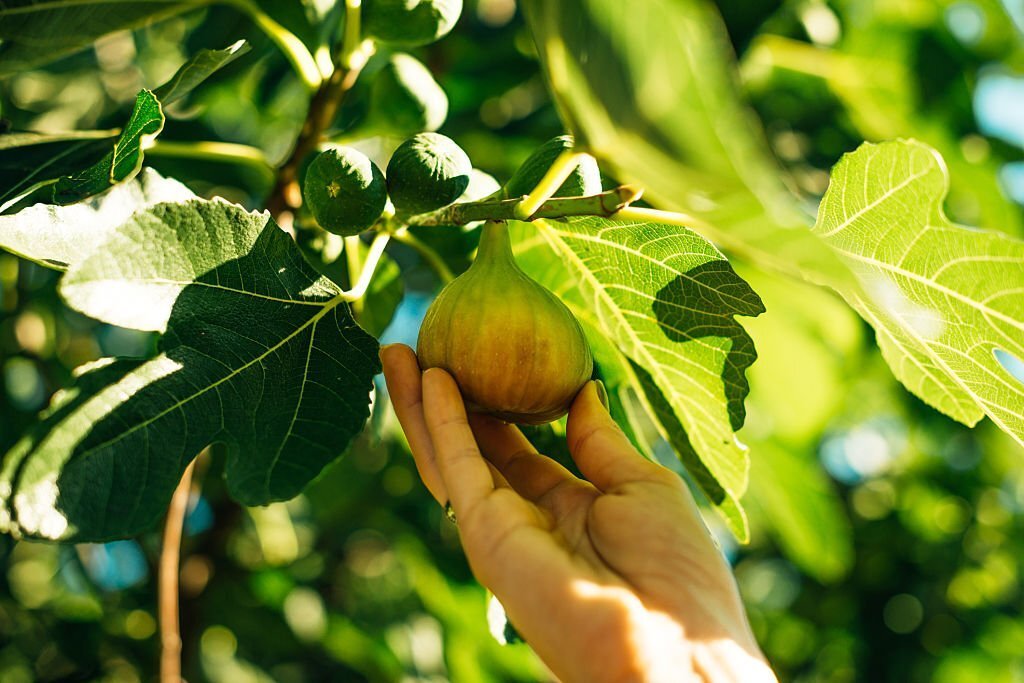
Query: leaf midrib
column 329, row 306
column 190, row 283
column 928, row 282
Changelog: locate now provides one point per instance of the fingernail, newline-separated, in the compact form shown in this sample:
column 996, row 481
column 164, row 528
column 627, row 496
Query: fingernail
column 382, row 349
column 602, row 393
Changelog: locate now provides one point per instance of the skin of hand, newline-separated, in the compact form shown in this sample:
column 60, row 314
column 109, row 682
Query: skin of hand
column 609, row 578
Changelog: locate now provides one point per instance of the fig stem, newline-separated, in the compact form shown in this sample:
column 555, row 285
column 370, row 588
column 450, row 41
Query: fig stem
column 355, row 266
column 606, row 204
column 358, row 290
column 352, row 38
column 559, row 171
column 495, row 242
column 227, row 152
column 293, row 49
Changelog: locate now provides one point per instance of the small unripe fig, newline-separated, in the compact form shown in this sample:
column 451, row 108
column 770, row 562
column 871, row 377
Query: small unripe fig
column 409, row 23
column 345, row 191
column 585, row 179
column 514, row 349
column 426, row 172
column 405, row 99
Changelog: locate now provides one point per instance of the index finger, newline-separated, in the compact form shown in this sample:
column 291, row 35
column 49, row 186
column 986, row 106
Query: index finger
column 466, row 474
column 404, row 378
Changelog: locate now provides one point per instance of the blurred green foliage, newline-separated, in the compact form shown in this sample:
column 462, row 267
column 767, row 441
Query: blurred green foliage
column 911, row 567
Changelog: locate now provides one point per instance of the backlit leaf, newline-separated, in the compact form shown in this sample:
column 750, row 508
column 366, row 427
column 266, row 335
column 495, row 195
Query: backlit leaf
column 945, row 300
column 123, row 161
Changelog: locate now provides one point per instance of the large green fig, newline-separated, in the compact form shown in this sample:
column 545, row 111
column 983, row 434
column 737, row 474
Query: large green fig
column 345, row 191
column 409, row 23
column 426, row 172
column 405, row 99
column 585, row 179
column 514, row 349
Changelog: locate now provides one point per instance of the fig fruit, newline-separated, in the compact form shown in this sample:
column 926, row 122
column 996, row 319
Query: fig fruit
column 409, row 23
column 514, row 349
column 345, row 191
column 426, row 172
column 584, row 180
column 405, row 99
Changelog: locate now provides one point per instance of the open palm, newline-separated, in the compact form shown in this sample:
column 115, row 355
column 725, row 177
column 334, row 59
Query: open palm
column 613, row 577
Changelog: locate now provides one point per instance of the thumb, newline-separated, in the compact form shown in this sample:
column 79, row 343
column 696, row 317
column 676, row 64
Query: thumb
column 600, row 448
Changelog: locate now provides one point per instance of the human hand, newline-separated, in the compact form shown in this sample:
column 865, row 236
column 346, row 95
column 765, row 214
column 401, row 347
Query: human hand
column 609, row 578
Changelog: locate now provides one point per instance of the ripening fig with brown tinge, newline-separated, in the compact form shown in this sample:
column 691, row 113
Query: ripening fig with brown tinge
column 514, row 349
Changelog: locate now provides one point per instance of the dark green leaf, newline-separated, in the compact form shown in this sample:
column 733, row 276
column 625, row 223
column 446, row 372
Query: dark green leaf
column 123, row 161
column 30, row 160
column 34, row 32
column 196, row 70
column 260, row 352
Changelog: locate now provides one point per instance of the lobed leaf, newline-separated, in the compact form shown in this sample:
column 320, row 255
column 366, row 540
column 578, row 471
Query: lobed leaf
column 259, row 353
column 655, row 99
column 668, row 298
column 60, row 236
column 945, row 300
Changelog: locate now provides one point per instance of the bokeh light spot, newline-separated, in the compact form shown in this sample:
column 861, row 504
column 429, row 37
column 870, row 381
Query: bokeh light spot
column 903, row 613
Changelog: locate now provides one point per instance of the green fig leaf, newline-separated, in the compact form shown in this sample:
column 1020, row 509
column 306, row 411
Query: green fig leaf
column 123, row 161
column 656, row 101
column 259, row 353
column 945, row 300
column 29, row 161
column 197, row 69
column 60, row 236
column 677, row 327
column 35, row 32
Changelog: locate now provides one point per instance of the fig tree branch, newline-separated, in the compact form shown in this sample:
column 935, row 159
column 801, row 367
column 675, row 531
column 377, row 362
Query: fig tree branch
column 292, row 48
column 227, row 152
column 605, row 204
column 323, row 108
column 170, row 554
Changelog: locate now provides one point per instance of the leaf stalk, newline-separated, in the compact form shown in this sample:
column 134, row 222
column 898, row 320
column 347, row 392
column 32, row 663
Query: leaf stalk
column 608, row 204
